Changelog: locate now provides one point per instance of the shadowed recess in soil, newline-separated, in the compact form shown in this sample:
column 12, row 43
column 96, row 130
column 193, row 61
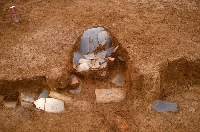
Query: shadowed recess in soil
column 179, row 76
column 12, row 89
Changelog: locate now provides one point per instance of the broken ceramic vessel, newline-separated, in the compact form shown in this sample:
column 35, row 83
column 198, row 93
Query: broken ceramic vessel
column 90, row 55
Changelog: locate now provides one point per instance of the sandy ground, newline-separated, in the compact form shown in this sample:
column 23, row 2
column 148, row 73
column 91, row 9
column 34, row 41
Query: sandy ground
column 160, row 41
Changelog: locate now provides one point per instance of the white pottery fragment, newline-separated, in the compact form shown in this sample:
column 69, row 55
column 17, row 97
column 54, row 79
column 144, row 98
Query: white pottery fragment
column 40, row 103
column 54, row 105
column 81, row 61
column 89, row 56
column 103, row 65
column 83, row 67
column 101, row 60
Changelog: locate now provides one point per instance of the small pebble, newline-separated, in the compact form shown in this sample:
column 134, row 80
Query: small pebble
column 74, row 81
column 103, row 74
column 119, row 80
column 111, row 59
column 120, row 58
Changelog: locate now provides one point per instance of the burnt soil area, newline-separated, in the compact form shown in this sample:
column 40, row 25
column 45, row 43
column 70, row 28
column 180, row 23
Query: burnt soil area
column 158, row 40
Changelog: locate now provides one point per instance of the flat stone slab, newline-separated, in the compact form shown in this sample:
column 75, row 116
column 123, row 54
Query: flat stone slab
column 10, row 104
column 109, row 95
column 162, row 106
column 54, row 105
column 56, row 95
column 50, row 105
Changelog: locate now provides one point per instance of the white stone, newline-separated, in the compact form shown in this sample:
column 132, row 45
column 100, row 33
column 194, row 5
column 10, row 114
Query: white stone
column 109, row 95
column 54, row 105
column 40, row 103
column 101, row 60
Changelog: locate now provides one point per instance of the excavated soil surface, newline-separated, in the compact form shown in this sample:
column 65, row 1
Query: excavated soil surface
column 158, row 40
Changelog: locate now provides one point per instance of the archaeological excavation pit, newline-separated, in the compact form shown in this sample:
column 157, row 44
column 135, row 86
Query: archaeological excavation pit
column 100, row 65
column 99, row 73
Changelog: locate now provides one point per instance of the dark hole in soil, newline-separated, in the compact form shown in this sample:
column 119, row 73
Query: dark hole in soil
column 12, row 89
column 179, row 76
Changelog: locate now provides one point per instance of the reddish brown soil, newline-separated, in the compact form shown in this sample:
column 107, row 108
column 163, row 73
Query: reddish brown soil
column 160, row 41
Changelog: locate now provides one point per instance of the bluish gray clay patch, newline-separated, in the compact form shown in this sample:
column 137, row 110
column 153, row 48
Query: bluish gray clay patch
column 162, row 106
